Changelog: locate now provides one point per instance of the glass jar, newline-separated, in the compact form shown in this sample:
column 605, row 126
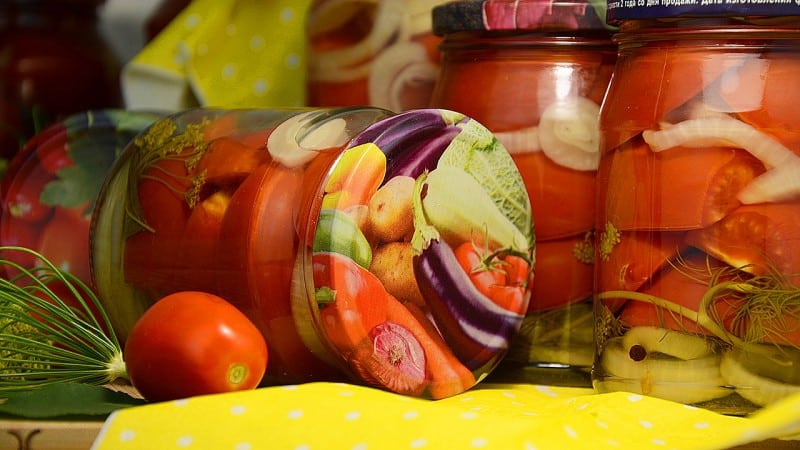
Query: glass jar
column 55, row 63
column 48, row 192
column 535, row 74
column 698, row 225
column 371, row 52
column 344, row 234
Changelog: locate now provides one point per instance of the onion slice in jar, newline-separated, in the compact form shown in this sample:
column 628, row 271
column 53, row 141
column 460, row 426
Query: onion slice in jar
column 669, row 342
column 683, row 381
column 387, row 22
column 754, row 387
column 400, row 69
column 569, row 133
column 780, row 183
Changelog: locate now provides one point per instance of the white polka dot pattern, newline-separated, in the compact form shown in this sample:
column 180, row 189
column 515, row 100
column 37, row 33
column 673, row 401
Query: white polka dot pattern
column 341, row 416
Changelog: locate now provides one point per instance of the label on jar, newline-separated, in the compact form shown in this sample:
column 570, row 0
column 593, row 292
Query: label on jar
column 652, row 9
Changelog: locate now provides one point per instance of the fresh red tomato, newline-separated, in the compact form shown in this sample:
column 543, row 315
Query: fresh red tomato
column 677, row 189
column 193, row 343
column 562, row 199
column 561, row 277
column 758, row 239
column 69, row 254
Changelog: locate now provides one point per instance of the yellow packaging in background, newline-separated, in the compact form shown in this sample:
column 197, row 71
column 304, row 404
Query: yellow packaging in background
column 223, row 53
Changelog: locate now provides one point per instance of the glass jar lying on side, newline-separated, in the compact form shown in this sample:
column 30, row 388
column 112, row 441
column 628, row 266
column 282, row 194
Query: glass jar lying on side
column 698, row 295
column 535, row 75
column 48, row 193
column 343, row 234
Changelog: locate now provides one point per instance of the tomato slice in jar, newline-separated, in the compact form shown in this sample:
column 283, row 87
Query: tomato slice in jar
column 228, row 161
column 683, row 285
column 767, row 94
column 758, row 239
column 527, row 82
column 677, row 189
column 162, row 189
column 562, row 199
column 257, row 247
column 562, row 278
column 633, row 260
column 655, row 82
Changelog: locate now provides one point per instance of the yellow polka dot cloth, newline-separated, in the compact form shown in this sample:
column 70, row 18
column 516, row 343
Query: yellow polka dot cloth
column 334, row 416
column 223, row 53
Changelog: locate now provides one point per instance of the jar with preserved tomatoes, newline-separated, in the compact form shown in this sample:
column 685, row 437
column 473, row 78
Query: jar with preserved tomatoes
column 372, row 52
column 698, row 295
column 347, row 235
column 535, row 72
column 48, row 192
column 55, row 63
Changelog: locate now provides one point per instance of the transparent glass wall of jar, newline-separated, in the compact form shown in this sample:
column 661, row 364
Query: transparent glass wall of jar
column 536, row 76
column 337, row 231
column 698, row 233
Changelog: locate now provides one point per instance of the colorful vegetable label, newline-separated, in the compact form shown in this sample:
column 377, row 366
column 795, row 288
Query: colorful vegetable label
column 619, row 10
column 422, row 256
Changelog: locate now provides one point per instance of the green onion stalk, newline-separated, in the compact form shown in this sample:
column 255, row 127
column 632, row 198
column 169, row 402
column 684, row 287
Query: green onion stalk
column 45, row 340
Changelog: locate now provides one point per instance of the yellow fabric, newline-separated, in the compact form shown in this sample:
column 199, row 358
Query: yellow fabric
column 491, row 416
column 223, row 53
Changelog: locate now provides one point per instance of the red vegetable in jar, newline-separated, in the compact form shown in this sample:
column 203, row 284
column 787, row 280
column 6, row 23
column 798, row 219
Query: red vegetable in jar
column 698, row 230
column 535, row 72
column 332, row 230
column 48, row 192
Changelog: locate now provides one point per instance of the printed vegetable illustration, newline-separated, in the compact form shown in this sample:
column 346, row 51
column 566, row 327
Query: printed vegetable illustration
column 54, row 330
column 51, row 185
column 698, row 273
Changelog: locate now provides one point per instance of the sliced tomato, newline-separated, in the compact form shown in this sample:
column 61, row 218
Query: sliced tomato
column 258, row 248
column 561, row 278
column 150, row 264
column 510, row 93
column 677, row 189
column 649, row 83
column 228, row 161
column 770, row 96
column 562, row 199
column 684, row 285
column 162, row 192
column 634, row 260
column 756, row 238
column 69, row 254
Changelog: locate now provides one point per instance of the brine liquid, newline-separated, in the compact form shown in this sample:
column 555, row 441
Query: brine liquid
column 698, row 231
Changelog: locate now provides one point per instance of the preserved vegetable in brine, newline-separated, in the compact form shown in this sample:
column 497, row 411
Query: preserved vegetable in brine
column 336, row 231
column 535, row 72
column 698, row 282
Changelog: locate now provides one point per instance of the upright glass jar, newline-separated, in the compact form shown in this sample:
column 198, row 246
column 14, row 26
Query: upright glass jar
column 535, row 72
column 344, row 234
column 698, row 295
column 55, row 63
column 372, row 52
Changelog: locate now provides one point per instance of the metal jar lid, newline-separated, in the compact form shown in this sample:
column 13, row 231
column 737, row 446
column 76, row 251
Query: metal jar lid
column 521, row 15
